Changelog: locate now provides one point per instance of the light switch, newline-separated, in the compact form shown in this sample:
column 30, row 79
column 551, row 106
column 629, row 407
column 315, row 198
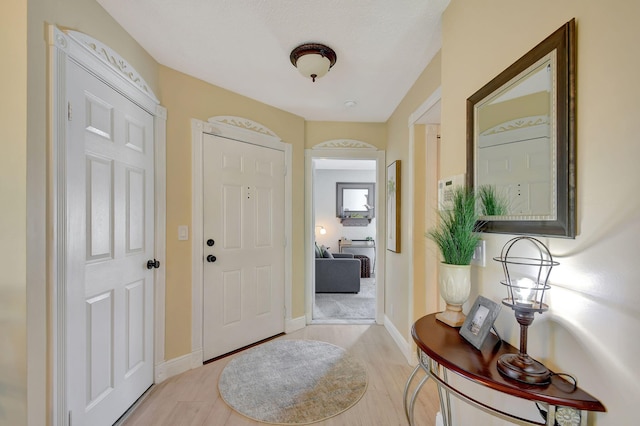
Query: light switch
column 183, row 232
column 479, row 254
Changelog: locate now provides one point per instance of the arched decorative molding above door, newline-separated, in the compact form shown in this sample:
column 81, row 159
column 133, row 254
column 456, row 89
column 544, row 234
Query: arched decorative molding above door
column 242, row 123
column 108, row 57
column 344, row 144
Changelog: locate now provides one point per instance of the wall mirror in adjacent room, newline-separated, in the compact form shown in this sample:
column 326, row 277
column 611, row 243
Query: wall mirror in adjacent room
column 521, row 141
column 355, row 200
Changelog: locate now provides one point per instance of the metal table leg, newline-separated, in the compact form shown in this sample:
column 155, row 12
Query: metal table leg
column 445, row 400
column 408, row 409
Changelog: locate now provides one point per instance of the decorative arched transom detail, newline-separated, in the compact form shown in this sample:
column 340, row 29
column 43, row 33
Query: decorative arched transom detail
column 518, row 123
column 344, row 144
column 108, row 56
column 242, row 123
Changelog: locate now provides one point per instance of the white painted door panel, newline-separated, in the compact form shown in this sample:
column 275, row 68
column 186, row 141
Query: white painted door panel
column 243, row 204
column 109, row 292
column 520, row 172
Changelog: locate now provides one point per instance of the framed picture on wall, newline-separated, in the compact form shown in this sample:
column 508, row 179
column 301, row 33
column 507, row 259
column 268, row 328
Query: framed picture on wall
column 393, row 206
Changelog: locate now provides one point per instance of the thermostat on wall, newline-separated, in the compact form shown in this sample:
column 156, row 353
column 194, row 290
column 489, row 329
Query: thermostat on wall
column 445, row 190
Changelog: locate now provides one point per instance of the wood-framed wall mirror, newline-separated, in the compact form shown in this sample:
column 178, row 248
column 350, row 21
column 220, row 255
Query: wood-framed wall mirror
column 521, row 141
column 355, row 203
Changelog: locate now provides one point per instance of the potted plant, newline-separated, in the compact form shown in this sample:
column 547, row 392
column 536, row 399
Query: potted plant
column 456, row 238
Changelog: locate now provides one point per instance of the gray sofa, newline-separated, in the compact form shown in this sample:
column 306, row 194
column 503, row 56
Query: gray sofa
column 340, row 274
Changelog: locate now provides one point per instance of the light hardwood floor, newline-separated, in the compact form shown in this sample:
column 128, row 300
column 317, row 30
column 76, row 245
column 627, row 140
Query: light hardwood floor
column 192, row 398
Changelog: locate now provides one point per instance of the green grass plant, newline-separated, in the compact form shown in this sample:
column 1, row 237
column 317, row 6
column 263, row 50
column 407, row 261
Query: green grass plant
column 492, row 203
column 455, row 234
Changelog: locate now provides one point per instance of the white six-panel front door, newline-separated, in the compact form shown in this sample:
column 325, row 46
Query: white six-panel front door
column 110, row 232
column 243, row 225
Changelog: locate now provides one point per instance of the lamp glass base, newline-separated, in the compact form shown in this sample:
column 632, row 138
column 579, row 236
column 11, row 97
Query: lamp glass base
column 523, row 368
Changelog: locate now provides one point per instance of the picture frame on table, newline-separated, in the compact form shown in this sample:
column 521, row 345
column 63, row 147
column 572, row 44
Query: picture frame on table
column 479, row 321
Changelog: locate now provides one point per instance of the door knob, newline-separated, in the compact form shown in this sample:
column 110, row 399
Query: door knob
column 153, row 264
column 211, row 258
column 210, row 242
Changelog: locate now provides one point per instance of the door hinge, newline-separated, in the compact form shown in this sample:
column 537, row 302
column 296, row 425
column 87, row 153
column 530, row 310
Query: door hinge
column 70, row 418
column 69, row 111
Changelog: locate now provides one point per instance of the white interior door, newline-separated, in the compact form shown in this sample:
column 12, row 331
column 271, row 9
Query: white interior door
column 519, row 171
column 243, row 225
column 110, row 238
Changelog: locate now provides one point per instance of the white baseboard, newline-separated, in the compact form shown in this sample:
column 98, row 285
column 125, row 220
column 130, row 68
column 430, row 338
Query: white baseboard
column 186, row 362
column 295, row 324
column 175, row 366
column 404, row 346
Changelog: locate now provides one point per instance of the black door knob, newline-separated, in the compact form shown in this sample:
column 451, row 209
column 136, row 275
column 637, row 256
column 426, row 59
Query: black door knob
column 210, row 242
column 153, row 264
column 211, row 258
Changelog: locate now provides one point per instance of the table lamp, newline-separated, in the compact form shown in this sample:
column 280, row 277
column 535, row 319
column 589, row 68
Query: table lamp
column 526, row 282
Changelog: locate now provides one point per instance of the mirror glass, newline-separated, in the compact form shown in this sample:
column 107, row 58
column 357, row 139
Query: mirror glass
column 355, row 200
column 515, row 149
column 521, row 142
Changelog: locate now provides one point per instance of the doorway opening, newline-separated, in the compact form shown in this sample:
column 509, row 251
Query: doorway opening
column 345, row 236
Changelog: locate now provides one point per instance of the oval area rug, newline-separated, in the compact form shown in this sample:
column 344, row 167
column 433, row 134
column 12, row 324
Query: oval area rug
column 293, row 382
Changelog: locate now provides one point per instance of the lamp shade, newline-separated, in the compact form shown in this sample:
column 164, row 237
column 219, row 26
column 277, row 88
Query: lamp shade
column 313, row 66
column 313, row 60
column 526, row 277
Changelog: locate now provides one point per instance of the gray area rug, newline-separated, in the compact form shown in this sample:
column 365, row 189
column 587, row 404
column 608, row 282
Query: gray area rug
column 348, row 306
column 293, row 382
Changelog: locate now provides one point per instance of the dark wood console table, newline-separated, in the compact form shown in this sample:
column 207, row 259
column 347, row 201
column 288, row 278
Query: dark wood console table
column 442, row 349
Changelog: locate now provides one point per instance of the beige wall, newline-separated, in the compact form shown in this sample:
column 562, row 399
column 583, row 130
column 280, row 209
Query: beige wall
column 592, row 326
column 322, row 131
column 13, row 227
column 185, row 98
column 398, row 304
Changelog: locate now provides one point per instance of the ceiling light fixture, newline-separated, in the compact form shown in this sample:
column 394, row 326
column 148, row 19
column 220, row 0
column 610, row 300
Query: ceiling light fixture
column 313, row 60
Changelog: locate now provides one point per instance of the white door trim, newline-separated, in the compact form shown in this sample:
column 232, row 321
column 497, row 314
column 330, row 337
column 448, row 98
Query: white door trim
column 108, row 66
column 352, row 149
column 244, row 130
column 419, row 116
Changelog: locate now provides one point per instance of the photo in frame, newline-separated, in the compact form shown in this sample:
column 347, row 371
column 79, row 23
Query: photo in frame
column 479, row 321
column 393, row 206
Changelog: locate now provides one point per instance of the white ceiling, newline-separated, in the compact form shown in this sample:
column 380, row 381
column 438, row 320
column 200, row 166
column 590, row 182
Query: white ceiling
column 244, row 45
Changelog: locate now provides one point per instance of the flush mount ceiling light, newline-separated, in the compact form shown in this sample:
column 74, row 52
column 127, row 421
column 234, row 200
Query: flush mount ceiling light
column 313, row 60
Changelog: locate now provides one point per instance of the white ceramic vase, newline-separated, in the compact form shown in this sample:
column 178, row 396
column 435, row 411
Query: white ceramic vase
column 455, row 286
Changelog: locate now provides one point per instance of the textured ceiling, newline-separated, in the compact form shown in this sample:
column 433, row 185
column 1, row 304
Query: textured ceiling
column 244, row 46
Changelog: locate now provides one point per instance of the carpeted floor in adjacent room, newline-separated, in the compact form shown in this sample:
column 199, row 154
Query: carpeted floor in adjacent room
column 345, row 306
